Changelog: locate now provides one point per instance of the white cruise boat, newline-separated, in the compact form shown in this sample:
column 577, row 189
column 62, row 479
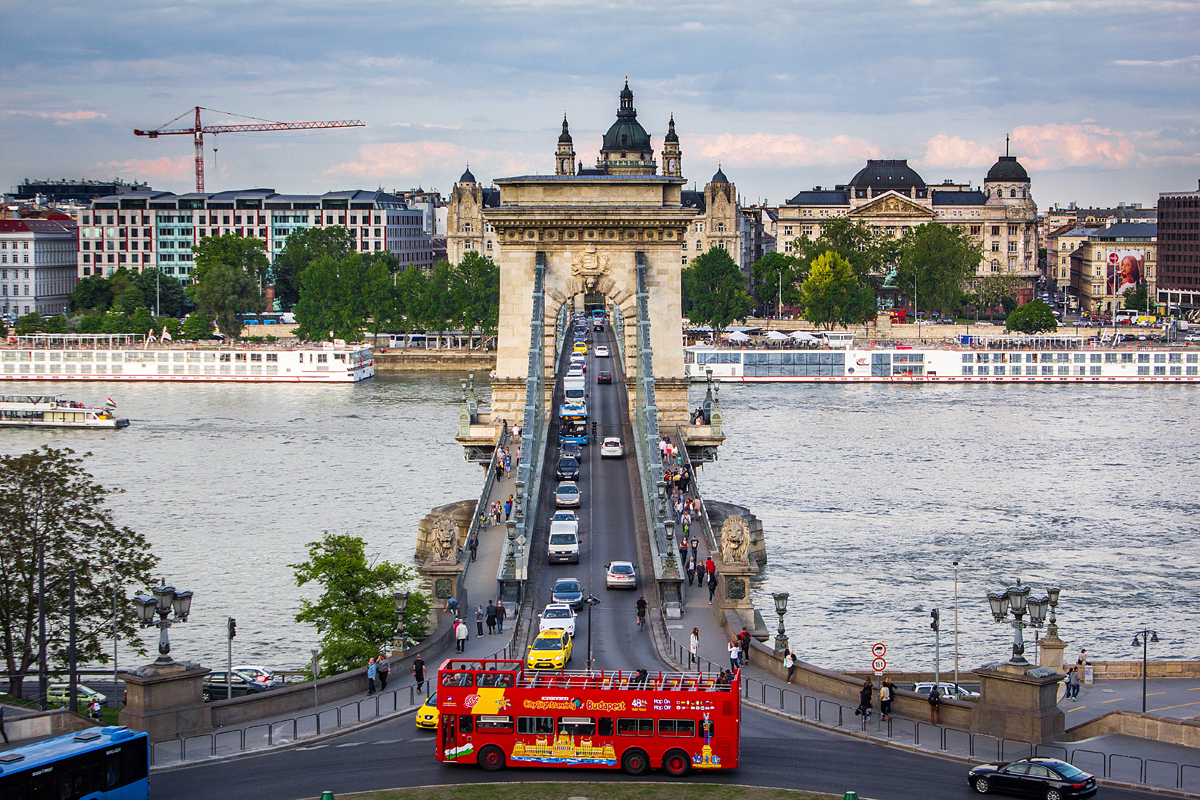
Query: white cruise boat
column 124, row 357
column 974, row 359
column 51, row 411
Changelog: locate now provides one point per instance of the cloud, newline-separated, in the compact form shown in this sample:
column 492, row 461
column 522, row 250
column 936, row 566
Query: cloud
column 1172, row 62
column 1054, row 146
column 787, row 149
column 415, row 159
column 179, row 169
column 955, row 151
column 60, row 117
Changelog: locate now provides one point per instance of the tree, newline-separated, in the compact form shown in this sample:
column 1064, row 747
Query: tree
column 715, row 290
column 48, row 501
column 30, row 323
column 197, row 326
column 93, row 292
column 435, row 309
column 356, row 612
column 92, row 323
column 163, row 293
column 993, row 290
column 776, row 278
column 55, row 324
column 936, row 262
column 1138, row 299
column 410, row 288
column 871, row 252
column 228, row 279
column 832, row 295
column 475, row 283
column 1033, row 317
column 379, row 296
column 302, row 248
column 332, row 302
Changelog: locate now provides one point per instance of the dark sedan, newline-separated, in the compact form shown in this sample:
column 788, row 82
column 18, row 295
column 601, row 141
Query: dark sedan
column 567, row 470
column 1039, row 777
column 569, row 591
column 215, row 687
column 603, row 377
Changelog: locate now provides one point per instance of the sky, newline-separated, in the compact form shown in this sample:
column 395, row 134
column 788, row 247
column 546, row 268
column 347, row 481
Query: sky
column 1099, row 96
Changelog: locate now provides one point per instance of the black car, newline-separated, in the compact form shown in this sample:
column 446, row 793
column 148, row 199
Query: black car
column 603, row 377
column 215, row 688
column 568, row 590
column 1039, row 777
column 567, row 469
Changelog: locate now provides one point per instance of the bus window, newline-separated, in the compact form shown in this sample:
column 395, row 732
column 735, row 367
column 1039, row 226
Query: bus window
column 457, row 679
column 542, row 726
column 605, row 728
column 635, row 727
column 465, row 723
column 677, row 727
column 576, row 726
column 499, row 724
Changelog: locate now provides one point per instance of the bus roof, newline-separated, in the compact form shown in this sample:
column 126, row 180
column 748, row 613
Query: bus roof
column 597, row 679
column 51, row 750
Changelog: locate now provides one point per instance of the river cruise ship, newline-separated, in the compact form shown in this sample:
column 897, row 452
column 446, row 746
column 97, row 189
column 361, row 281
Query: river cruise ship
column 123, row 357
column 51, row 411
column 973, row 359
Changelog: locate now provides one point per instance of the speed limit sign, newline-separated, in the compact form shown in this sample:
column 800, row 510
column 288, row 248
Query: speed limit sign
column 879, row 665
column 878, row 649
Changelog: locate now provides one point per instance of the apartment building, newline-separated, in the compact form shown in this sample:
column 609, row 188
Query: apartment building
column 1179, row 251
column 37, row 266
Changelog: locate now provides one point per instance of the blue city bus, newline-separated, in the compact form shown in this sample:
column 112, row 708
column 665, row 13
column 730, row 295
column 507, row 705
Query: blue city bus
column 598, row 316
column 93, row 764
column 572, row 424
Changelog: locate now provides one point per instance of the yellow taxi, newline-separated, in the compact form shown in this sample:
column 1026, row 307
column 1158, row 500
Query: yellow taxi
column 550, row 650
column 580, row 347
column 427, row 714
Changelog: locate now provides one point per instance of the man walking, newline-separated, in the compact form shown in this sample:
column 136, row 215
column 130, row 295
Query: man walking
column 2, row 733
column 383, row 669
column 479, row 621
column 712, row 584
column 501, row 613
column 935, row 706
column 419, row 673
column 473, row 544
column 491, row 616
column 460, row 635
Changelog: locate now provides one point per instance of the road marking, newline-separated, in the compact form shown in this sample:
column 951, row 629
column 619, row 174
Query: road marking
column 351, row 744
column 1076, row 708
column 1114, row 700
column 1181, row 705
column 1194, row 689
column 1154, row 693
column 674, row 627
column 1109, row 691
column 312, row 747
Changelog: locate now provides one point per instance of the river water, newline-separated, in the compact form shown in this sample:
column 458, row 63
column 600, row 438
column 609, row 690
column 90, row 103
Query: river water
column 868, row 493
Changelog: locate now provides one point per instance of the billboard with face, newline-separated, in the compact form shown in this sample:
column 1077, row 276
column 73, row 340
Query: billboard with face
column 1125, row 270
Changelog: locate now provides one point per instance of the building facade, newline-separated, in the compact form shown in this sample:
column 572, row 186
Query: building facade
column 142, row 228
column 1114, row 260
column 1179, row 251
column 37, row 266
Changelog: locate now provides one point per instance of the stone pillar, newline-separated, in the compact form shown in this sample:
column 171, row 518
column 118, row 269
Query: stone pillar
column 1018, row 703
column 1052, row 652
column 733, row 599
column 166, row 702
column 445, row 582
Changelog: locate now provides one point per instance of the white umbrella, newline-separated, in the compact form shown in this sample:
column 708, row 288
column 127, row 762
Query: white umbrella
column 776, row 336
column 738, row 336
column 803, row 336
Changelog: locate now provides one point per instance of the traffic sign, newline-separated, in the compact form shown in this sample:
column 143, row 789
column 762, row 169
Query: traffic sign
column 879, row 649
column 879, row 665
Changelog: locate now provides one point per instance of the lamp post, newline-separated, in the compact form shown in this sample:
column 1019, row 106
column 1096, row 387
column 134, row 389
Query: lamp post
column 1146, row 636
column 956, row 625
column 592, row 600
column 781, row 639
column 316, row 705
column 401, row 599
column 1017, row 600
column 164, row 599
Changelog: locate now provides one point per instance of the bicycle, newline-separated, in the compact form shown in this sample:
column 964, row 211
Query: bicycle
column 641, row 621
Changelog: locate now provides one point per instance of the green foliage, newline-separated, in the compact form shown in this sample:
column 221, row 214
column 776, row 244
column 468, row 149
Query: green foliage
column 356, row 613
column 1033, row 317
column 1138, row 299
column 409, row 291
column 872, row 253
column 475, row 288
column 228, row 279
column 379, row 296
column 47, row 499
column 936, row 262
column 300, row 250
column 92, row 323
column 163, row 293
column 30, row 323
column 777, row 277
column 714, row 290
column 832, row 295
column 332, row 304
column 91, row 293
column 55, row 324
column 996, row 290
column 142, row 321
column 127, row 290
column 435, row 308
column 197, row 326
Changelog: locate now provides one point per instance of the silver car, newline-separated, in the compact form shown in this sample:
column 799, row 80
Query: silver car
column 567, row 495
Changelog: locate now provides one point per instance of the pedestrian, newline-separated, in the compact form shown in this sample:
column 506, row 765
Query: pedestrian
column 383, row 669
column 710, row 566
column 691, row 568
column 744, row 641
column 864, row 702
column 479, row 615
column 372, row 670
column 712, row 585
column 501, row 613
column 2, row 732
column 491, row 616
column 683, row 549
column 508, row 504
column 695, row 647
column 734, row 652
column 452, row 606
column 789, row 661
column 460, row 635
column 473, row 544
column 885, row 700
column 935, row 703
column 1073, row 683
column 1082, row 660
column 419, row 673
column 695, row 546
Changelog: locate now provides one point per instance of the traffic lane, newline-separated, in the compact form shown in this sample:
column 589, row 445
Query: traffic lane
column 774, row 752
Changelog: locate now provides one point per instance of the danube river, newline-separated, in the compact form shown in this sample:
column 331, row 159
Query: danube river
column 868, row 493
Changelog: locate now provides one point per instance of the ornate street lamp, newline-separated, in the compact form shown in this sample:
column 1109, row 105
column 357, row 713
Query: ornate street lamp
column 781, row 639
column 1017, row 600
column 162, row 601
column 1147, row 636
column 401, row 600
column 591, row 601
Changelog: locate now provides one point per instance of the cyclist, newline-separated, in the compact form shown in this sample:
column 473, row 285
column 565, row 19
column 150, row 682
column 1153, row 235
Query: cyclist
column 593, row 429
column 641, row 610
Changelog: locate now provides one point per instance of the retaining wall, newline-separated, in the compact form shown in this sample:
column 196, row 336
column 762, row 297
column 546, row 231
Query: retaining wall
column 46, row 723
column 1146, row 726
column 434, row 361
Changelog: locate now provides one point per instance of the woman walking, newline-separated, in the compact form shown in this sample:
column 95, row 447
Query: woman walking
column 885, row 700
column 864, row 702
column 789, row 661
column 695, row 647
column 734, row 653
column 371, row 670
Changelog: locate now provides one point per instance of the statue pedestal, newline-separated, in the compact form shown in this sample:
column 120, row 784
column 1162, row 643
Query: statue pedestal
column 167, row 702
column 1019, row 702
column 444, row 578
column 733, row 599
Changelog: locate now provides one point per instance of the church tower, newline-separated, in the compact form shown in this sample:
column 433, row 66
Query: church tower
column 565, row 157
column 627, row 149
column 672, row 156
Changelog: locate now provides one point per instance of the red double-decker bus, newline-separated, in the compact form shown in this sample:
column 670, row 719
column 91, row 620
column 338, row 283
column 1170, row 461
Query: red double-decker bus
column 495, row 714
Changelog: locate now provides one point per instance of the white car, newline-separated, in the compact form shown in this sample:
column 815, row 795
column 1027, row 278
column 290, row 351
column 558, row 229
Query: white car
column 612, row 448
column 575, row 372
column 564, row 516
column 948, row 690
column 620, row 575
column 601, row 351
column 260, row 674
column 557, row 616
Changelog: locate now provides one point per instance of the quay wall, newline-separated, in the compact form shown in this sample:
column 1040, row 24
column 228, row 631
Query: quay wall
column 434, row 361
column 46, row 723
column 1145, row 726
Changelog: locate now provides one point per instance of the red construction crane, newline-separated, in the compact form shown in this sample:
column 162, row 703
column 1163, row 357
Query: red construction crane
column 198, row 131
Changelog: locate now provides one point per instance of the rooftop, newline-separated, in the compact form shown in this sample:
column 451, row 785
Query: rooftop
column 1127, row 230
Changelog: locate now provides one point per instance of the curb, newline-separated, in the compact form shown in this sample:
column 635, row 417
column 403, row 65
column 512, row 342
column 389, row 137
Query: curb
column 262, row 751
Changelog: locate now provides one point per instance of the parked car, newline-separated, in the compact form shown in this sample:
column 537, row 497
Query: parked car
column 606, row 377
column 612, row 448
column 567, row 495
column 567, row 469
column 1038, row 777
column 57, row 694
column 241, row 684
column 427, row 714
column 557, row 616
column 620, row 575
column 602, row 351
column 948, row 690
column 569, row 591
column 261, row 674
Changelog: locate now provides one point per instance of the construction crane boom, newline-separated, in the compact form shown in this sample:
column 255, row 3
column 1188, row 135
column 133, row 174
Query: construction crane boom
column 198, row 130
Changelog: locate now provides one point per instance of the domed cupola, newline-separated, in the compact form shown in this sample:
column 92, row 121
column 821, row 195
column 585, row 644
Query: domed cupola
column 719, row 177
column 467, row 177
column 626, row 149
column 1007, row 180
column 564, row 157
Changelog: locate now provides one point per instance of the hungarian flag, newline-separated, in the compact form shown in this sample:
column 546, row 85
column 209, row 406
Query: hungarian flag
column 150, row 336
column 166, row 337
column 110, row 405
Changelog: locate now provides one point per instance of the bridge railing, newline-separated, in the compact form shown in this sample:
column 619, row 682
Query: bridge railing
column 710, row 537
column 481, row 507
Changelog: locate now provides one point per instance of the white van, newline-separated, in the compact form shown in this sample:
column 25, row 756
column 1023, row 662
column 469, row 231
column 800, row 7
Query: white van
column 573, row 390
column 564, row 542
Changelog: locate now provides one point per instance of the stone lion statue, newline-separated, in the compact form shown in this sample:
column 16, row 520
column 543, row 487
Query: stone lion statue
column 444, row 547
column 735, row 541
